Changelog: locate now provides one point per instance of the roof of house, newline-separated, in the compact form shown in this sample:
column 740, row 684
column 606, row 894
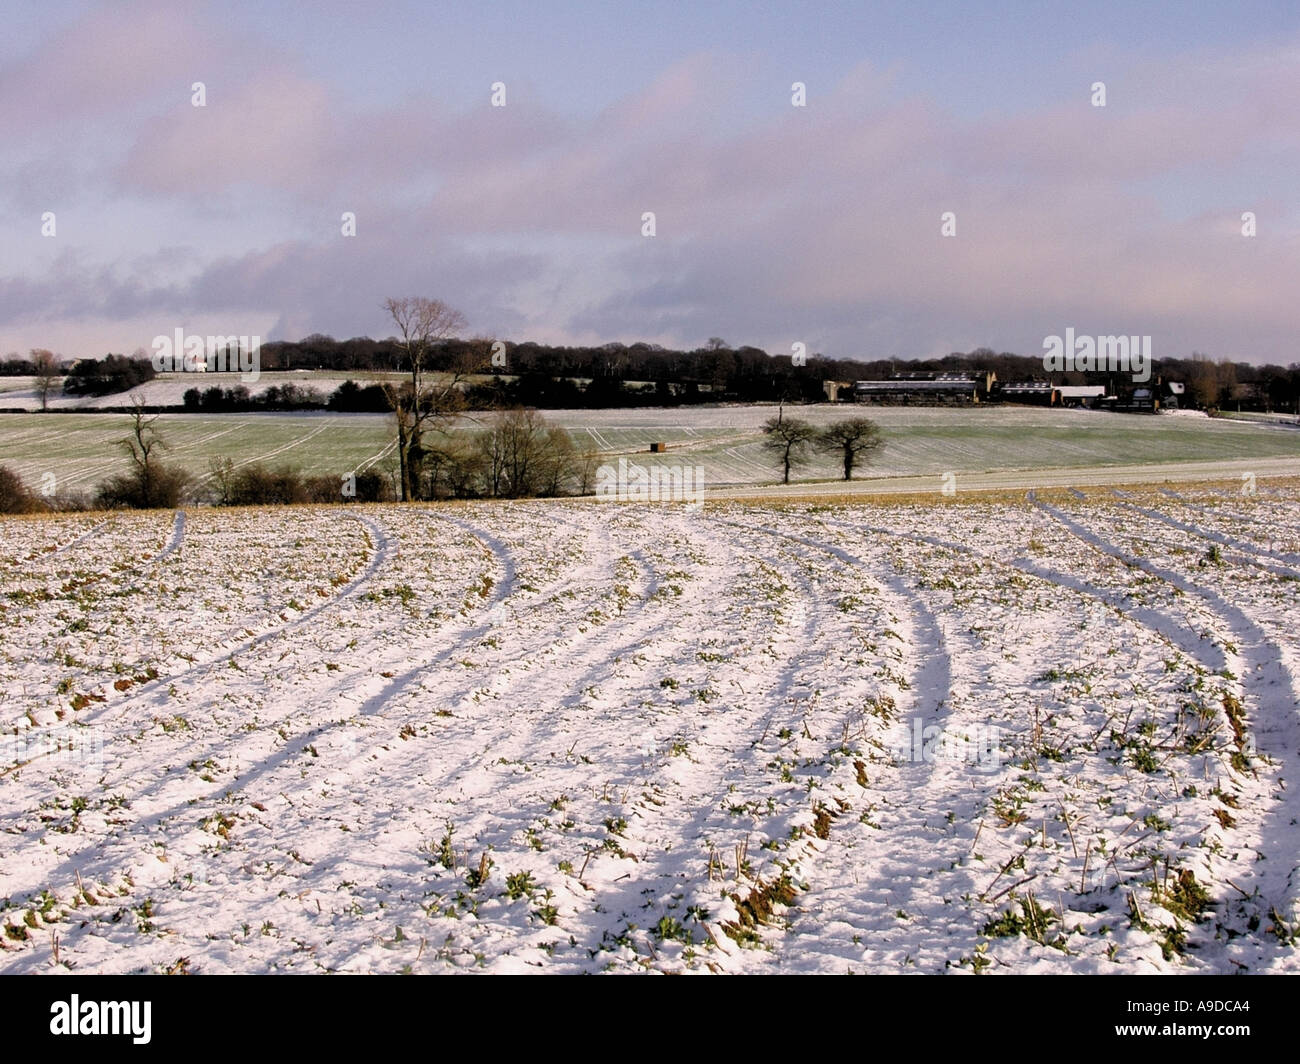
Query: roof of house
column 919, row 385
column 1028, row 386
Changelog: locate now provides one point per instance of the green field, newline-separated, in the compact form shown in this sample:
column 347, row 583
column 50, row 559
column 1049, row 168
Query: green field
column 82, row 449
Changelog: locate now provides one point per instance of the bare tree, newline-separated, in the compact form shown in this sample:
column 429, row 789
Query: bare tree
column 141, row 447
column 788, row 439
column 1210, row 382
column 560, row 466
column 522, row 455
column 47, row 371
column 455, row 467
column 422, row 324
column 851, row 438
column 150, row 484
column 222, row 472
column 584, row 470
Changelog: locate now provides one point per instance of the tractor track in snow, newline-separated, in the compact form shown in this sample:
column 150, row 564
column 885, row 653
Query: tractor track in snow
column 114, row 704
column 866, row 874
column 36, row 559
column 391, row 689
column 1274, row 721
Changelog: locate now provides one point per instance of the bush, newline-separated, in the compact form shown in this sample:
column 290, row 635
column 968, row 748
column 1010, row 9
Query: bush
column 373, row 486
column 14, row 496
column 257, row 485
column 350, row 397
column 164, row 488
column 112, row 374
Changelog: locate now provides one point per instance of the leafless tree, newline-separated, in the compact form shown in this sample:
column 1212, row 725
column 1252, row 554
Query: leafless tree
column 560, row 465
column 150, row 484
column 851, row 438
column 585, row 464
column 788, row 439
column 142, row 447
column 222, row 472
column 1209, row 382
column 47, row 372
column 523, row 455
column 420, row 398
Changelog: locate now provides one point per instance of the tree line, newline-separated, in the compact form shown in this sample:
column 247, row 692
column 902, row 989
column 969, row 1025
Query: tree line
column 515, row 454
column 549, row 376
column 512, row 454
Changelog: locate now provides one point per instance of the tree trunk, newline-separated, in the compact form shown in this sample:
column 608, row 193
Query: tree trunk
column 402, row 445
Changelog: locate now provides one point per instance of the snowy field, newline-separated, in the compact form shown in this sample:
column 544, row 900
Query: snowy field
column 80, row 450
column 1057, row 735
column 168, row 389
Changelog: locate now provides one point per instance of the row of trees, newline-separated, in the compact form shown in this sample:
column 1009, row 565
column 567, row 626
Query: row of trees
column 216, row 399
column 514, row 454
column 744, row 373
column 87, row 376
column 498, row 393
column 617, row 375
column 517, row 454
column 107, row 376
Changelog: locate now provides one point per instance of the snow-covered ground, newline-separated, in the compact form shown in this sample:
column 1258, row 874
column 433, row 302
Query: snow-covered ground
column 1059, row 735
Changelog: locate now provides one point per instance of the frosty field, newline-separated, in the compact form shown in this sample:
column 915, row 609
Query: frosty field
column 725, row 442
column 1034, row 736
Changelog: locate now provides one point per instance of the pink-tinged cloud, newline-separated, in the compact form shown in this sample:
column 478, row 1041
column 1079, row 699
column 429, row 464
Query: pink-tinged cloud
column 268, row 131
column 820, row 223
column 105, row 65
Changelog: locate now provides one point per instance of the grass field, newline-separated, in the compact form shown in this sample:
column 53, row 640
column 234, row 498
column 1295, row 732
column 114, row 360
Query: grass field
column 82, row 449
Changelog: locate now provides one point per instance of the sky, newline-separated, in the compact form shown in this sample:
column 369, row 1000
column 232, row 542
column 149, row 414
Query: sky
column 127, row 212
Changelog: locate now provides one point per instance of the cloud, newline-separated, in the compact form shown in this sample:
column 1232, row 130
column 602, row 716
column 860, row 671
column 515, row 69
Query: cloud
column 774, row 223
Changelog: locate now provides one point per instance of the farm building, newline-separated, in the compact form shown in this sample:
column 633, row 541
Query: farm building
column 1142, row 400
column 1146, row 398
column 1081, row 394
column 924, row 389
column 1037, row 393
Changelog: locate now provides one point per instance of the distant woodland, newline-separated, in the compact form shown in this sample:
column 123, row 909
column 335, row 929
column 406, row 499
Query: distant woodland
column 643, row 374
